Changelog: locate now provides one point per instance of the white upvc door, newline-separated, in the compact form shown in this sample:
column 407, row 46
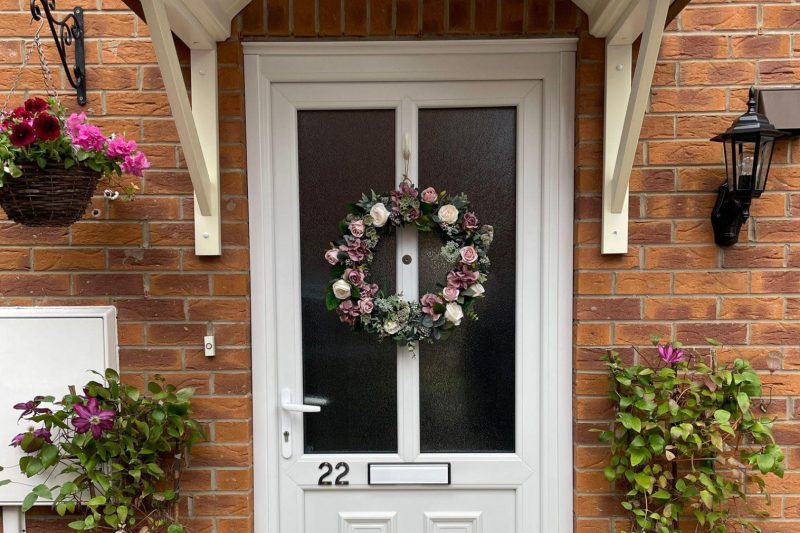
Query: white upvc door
column 465, row 420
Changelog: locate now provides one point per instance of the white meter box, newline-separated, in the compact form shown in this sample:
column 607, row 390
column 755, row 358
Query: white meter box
column 44, row 350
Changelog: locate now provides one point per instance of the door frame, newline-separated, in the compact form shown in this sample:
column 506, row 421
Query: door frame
column 549, row 60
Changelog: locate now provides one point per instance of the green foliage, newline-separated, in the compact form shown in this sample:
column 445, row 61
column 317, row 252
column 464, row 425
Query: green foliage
column 129, row 476
column 687, row 441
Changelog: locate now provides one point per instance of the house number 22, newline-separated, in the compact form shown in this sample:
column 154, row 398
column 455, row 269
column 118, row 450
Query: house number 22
column 329, row 470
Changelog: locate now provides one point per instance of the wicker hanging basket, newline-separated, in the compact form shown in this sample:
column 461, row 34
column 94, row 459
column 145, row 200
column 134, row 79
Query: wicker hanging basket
column 51, row 196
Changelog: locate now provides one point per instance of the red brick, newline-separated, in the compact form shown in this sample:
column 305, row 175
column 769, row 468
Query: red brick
column 176, row 334
column 108, row 284
column 680, row 308
column 34, row 284
column 719, row 18
column 179, row 284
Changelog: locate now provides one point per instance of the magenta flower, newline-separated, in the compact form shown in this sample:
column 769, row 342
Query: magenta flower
column 119, row 147
column 16, row 441
column 90, row 138
column 91, row 418
column 74, row 122
column 670, row 354
column 135, row 164
column 43, row 434
column 31, row 408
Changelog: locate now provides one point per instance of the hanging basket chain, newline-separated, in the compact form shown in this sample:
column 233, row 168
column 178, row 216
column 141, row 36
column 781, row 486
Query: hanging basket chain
column 47, row 75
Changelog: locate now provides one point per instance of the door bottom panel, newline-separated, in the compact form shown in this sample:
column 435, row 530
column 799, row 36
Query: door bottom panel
column 410, row 511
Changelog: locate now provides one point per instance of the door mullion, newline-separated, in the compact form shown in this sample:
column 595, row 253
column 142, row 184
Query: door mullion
column 408, row 285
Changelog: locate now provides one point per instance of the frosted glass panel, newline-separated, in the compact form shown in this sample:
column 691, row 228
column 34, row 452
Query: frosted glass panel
column 353, row 377
column 467, row 384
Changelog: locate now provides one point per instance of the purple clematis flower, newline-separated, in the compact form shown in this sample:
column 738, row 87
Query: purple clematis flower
column 670, row 354
column 31, row 408
column 91, row 418
column 16, row 441
column 42, row 433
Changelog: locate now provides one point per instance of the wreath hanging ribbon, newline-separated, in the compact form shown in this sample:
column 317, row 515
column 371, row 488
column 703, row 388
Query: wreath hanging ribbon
column 363, row 305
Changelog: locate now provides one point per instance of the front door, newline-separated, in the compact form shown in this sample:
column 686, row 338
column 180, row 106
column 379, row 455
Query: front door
column 443, row 430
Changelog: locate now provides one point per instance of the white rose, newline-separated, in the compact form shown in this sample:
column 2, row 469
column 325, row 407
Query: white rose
column 341, row 289
column 379, row 214
column 476, row 289
column 454, row 313
column 391, row 327
column 448, row 214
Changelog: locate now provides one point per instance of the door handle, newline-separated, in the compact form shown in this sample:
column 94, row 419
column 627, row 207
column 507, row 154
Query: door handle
column 286, row 419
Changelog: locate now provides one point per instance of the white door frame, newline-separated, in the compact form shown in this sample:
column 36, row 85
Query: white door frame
column 549, row 60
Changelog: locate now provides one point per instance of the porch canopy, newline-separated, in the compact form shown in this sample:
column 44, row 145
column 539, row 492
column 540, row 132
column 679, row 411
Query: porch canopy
column 203, row 23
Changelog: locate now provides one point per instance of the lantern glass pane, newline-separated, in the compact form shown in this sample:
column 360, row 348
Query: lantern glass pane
column 729, row 167
column 764, row 157
column 745, row 159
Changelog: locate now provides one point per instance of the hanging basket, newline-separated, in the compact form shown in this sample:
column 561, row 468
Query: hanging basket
column 51, row 196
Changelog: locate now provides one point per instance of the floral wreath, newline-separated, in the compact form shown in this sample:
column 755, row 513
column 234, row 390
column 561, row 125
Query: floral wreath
column 364, row 306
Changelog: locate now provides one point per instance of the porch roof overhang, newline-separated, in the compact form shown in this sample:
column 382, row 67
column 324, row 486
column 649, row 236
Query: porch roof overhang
column 201, row 24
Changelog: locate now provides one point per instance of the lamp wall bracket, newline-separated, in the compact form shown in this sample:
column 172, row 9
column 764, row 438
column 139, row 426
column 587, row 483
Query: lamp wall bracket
column 67, row 32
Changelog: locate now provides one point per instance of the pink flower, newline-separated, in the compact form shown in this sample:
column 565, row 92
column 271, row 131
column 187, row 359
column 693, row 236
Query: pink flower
column 90, row 138
column 16, row 441
column 408, row 190
column 366, row 306
column 470, row 221
column 354, row 276
column 468, row 254
column 119, row 147
column 348, row 312
column 368, row 291
column 73, row 124
column 462, row 277
column 450, row 293
column 43, row 434
column 91, row 418
column 135, row 164
column 428, row 302
column 355, row 248
column 429, row 195
column 414, row 213
column 357, row 228
column 332, row 256
column 670, row 354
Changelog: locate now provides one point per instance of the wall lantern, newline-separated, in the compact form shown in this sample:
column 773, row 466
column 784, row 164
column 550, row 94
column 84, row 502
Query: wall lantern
column 748, row 147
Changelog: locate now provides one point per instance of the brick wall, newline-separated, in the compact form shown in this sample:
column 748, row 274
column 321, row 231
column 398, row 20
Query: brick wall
column 674, row 280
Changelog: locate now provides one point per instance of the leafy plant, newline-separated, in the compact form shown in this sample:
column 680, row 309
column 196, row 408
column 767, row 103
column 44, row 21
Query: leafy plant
column 113, row 453
column 687, row 440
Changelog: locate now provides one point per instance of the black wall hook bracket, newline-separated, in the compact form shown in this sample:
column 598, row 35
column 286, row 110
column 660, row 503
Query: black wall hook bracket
column 67, row 32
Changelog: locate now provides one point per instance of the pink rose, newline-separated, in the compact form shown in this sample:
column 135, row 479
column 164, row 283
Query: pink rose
column 119, row 147
column 450, row 294
column 462, row 277
column 429, row 195
column 348, row 312
column 354, row 276
column 366, row 306
column 470, row 221
column 357, row 228
column 332, row 256
column 469, row 255
column 428, row 301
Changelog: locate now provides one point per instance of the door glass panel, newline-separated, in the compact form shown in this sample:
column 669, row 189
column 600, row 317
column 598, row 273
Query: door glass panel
column 342, row 154
column 467, row 383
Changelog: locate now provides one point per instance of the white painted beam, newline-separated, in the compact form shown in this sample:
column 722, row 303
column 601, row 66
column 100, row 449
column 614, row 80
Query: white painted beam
column 207, row 228
column 625, row 107
column 13, row 520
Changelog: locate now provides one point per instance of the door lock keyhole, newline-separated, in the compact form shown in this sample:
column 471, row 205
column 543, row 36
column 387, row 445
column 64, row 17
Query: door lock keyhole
column 286, row 436
column 407, row 259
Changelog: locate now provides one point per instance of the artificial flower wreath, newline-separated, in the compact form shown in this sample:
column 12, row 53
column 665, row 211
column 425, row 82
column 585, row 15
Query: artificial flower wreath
column 363, row 305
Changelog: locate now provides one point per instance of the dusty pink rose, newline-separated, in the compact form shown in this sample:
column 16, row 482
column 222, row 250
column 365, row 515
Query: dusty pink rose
column 408, row 190
column 332, row 256
column 354, row 276
column 366, row 306
column 429, row 195
column 470, row 221
column 450, row 294
column 468, row 254
column 357, row 228
column 462, row 277
column 428, row 302
column 368, row 291
column 348, row 312
column 414, row 213
column 355, row 248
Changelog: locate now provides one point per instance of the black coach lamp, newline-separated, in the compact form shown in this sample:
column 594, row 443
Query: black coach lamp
column 748, row 147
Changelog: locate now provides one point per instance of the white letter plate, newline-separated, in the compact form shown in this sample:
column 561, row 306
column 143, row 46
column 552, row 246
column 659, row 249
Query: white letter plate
column 409, row 474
